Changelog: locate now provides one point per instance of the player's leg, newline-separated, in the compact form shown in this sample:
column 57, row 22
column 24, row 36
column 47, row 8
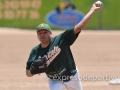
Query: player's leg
column 56, row 85
column 74, row 83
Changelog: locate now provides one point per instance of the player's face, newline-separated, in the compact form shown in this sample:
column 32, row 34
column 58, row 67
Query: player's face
column 44, row 36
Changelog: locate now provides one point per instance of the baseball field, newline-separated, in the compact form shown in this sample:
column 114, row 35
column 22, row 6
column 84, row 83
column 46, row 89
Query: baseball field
column 96, row 53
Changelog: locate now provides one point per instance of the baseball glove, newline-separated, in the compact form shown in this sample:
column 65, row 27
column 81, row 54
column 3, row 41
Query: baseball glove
column 38, row 66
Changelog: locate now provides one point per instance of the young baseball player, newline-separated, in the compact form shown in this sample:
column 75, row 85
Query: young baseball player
column 53, row 55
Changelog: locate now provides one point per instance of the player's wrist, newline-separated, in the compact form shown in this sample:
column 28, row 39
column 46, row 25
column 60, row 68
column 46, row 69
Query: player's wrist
column 28, row 73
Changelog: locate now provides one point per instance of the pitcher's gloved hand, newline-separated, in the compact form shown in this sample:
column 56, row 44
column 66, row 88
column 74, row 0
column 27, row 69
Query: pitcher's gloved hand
column 38, row 66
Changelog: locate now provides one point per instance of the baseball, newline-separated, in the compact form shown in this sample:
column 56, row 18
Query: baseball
column 98, row 2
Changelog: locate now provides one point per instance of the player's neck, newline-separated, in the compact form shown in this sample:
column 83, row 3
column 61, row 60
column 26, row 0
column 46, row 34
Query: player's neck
column 44, row 45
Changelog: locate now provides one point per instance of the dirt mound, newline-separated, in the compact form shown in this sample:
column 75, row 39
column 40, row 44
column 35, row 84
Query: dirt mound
column 96, row 53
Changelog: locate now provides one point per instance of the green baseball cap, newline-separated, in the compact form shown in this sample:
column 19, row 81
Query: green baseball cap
column 43, row 26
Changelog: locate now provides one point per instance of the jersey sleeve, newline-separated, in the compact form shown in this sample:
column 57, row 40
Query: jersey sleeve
column 69, row 37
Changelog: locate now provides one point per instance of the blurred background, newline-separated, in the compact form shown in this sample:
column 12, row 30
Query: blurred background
column 28, row 14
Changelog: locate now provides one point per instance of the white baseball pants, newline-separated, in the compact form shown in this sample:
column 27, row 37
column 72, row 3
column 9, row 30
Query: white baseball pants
column 73, row 84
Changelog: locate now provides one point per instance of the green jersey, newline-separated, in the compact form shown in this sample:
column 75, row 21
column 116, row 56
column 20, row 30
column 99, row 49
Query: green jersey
column 59, row 51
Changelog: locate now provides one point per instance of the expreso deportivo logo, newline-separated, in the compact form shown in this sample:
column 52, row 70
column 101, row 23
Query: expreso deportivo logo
column 85, row 78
